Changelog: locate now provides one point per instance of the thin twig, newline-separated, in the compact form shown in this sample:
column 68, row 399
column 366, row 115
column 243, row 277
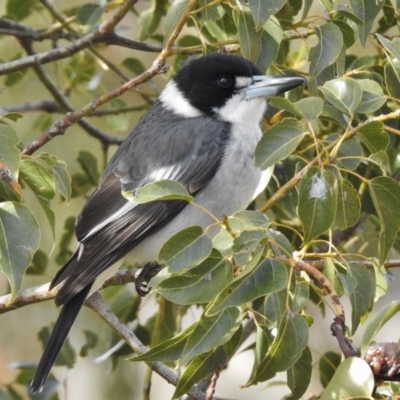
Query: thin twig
column 63, row 102
column 50, row 106
column 38, row 294
column 97, row 304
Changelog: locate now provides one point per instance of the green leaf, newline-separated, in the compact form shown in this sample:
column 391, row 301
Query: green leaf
column 367, row 11
column 275, row 306
column 150, row 19
column 350, row 154
column 343, row 93
column 89, row 14
column 210, row 13
column 392, row 77
column 348, row 205
column 317, row 202
column 245, row 244
column 341, row 387
column 373, row 135
column 271, row 37
column 186, row 249
column 12, row 116
column 247, row 220
column 286, row 349
column 279, row 243
column 175, row 13
column 278, row 142
column 301, row 295
column 200, row 368
column 376, row 322
column 201, row 283
column 381, row 283
column 267, row 277
column 372, row 96
column 263, row 340
column 161, row 190
column 262, row 10
column 385, row 194
column 19, row 239
column 362, row 297
column 310, row 107
column 328, row 49
column 211, row 332
column 88, row 163
column 348, row 33
column 328, row 364
column 134, row 65
column 9, row 153
column 39, row 179
column 91, row 341
column 39, row 263
column 249, row 38
column 169, row 350
column 42, row 183
column 299, row 375
column 19, row 9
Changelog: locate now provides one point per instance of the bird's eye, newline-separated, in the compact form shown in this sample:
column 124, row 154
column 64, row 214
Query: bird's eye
column 225, row 81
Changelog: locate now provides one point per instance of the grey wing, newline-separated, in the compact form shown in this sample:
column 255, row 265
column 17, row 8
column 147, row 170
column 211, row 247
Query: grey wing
column 186, row 150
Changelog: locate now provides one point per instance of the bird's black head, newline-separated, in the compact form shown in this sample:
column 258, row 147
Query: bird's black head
column 208, row 82
column 224, row 86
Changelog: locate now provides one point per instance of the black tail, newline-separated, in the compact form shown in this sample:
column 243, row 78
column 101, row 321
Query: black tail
column 58, row 335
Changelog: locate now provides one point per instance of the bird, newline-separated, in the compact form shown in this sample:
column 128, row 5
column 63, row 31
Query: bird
column 202, row 132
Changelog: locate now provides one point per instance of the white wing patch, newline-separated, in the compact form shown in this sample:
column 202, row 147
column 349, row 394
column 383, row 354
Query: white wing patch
column 123, row 210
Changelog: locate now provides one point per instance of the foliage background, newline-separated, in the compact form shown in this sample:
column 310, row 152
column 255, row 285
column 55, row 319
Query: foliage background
column 84, row 77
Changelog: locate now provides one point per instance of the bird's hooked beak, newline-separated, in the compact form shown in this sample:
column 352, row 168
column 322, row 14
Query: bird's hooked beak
column 268, row 85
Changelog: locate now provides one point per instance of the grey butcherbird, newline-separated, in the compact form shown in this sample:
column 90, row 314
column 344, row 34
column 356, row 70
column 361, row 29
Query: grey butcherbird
column 201, row 132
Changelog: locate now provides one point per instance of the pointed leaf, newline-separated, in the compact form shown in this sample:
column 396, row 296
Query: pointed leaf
column 310, row 107
column 201, row 283
column 372, row 96
column 362, row 297
column 249, row 38
column 299, row 375
column 367, row 11
column 19, row 239
column 200, row 368
column 385, row 194
column 271, row 37
column 278, row 142
column 88, row 163
column 185, row 249
column 376, row 322
column 392, row 77
column 267, row 277
column 341, row 387
column 329, row 46
column 9, row 153
column 343, row 93
column 169, row 350
column 317, row 202
column 161, row 190
column 374, row 137
column 175, row 13
column 328, row 364
column 348, row 205
column 262, row 10
column 286, row 349
column 211, row 332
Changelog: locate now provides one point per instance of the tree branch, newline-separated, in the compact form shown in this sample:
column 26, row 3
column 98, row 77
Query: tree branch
column 60, row 126
column 63, row 102
column 50, row 106
column 97, row 304
column 38, row 294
